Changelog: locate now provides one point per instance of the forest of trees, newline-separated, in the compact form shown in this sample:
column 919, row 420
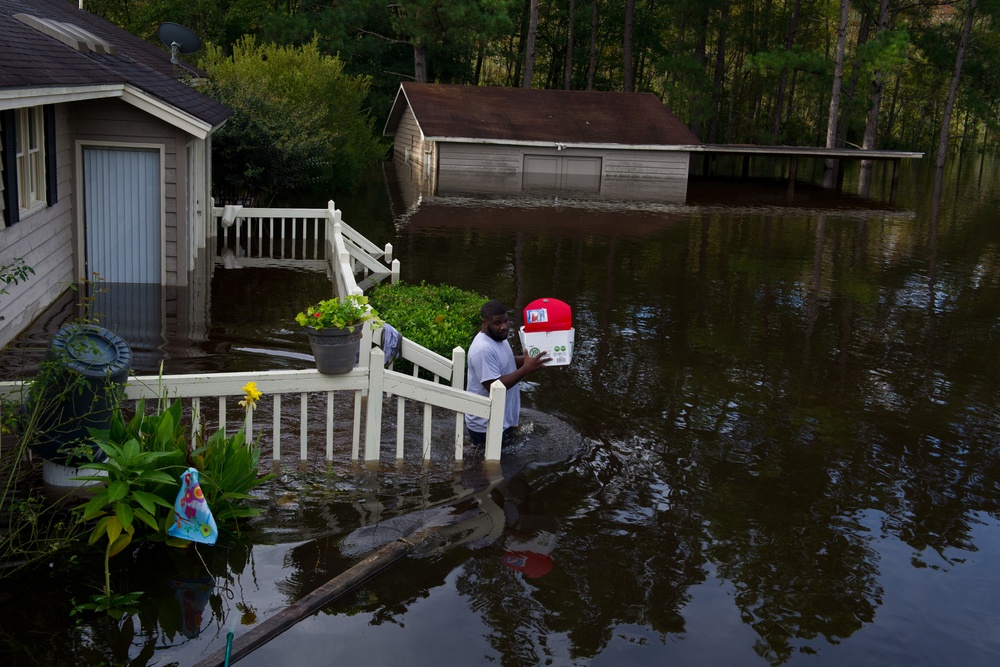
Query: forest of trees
column 900, row 74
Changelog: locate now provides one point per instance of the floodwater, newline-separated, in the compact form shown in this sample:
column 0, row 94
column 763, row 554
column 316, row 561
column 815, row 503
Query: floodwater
column 778, row 442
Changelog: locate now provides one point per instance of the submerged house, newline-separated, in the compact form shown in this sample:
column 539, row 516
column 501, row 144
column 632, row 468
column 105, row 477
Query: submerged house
column 105, row 158
column 478, row 139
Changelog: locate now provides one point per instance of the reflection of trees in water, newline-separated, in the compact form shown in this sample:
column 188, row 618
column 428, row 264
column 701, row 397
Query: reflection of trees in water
column 812, row 368
column 781, row 530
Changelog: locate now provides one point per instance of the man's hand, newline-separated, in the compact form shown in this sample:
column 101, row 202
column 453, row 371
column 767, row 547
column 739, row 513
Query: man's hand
column 525, row 364
column 531, row 364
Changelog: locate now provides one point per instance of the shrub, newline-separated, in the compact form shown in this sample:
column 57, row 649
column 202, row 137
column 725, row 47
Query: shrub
column 298, row 120
column 439, row 317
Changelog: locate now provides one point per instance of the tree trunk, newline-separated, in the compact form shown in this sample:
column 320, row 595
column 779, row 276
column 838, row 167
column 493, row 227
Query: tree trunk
column 875, row 102
column 949, row 105
column 592, row 62
column 779, row 100
column 720, row 72
column 480, row 52
column 701, row 56
column 864, row 33
column 829, row 173
column 629, row 82
column 420, row 63
column 529, row 52
column 568, row 73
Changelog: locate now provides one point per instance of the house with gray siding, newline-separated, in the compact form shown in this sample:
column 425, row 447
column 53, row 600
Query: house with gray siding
column 490, row 140
column 105, row 157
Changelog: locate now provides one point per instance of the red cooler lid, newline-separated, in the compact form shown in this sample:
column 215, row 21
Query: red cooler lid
column 547, row 315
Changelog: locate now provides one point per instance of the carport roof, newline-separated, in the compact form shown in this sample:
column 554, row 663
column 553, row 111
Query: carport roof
column 520, row 115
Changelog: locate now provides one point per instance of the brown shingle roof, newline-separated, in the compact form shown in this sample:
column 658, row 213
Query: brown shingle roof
column 560, row 116
column 32, row 59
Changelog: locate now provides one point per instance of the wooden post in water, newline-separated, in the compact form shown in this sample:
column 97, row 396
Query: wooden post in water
column 895, row 182
column 373, row 421
column 494, row 431
column 793, row 168
column 458, row 382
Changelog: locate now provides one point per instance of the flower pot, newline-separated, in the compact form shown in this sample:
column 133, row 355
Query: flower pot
column 335, row 350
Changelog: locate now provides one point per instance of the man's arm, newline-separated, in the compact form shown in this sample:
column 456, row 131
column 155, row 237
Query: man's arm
column 525, row 365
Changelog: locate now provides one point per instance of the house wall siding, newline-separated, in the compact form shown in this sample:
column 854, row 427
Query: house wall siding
column 408, row 145
column 625, row 174
column 113, row 121
column 44, row 239
column 661, row 175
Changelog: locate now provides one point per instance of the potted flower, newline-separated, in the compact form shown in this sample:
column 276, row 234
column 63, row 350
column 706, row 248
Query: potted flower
column 334, row 330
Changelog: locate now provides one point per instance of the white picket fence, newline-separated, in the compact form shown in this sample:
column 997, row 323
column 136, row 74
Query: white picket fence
column 282, row 388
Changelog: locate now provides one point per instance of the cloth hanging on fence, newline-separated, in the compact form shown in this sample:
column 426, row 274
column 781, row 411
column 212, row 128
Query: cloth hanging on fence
column 193, row 519
column 230, row 215
column 392, row 343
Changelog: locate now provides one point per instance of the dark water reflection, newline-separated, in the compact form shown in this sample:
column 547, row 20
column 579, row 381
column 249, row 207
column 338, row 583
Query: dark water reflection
column 783, row 439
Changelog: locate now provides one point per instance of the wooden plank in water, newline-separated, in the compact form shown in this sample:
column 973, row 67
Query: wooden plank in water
column 310, row 604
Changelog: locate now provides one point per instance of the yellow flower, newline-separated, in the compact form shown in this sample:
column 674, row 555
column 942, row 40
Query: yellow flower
column 251, row 395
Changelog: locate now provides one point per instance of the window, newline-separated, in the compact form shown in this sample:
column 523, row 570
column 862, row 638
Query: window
column 27, row 154
column 29, row 139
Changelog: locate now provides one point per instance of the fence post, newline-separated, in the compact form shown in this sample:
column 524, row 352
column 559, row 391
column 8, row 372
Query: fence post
column 494, row 430
column 373, row 421
column 367, row 343
column 388, row 252
column 458, row 382
column 394, row 272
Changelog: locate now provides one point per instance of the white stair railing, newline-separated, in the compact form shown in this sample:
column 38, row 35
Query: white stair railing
column 248, row 236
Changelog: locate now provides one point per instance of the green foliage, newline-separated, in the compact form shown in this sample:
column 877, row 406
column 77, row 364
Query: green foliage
column 298, row 120
column 336, row 313
column 439, row 317
column 13, row 273
column 228, row 473
column 145, row 457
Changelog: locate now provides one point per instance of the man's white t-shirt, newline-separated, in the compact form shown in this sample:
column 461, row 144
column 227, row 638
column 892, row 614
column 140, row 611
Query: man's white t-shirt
column 488, row 360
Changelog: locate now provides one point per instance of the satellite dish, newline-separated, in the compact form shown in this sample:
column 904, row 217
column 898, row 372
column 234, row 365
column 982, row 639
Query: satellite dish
column 179, row 39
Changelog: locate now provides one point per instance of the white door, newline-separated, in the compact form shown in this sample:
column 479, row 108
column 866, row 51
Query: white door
column 122, row 204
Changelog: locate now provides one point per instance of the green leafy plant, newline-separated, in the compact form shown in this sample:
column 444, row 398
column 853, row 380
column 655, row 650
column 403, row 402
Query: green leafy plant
column 136, row 481
column 439, row 317
column 228, row 473
column 339, row 313
column 13, row 273
column 145, row 457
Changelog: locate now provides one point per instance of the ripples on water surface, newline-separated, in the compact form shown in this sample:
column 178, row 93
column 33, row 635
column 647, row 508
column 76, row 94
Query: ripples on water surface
column 777, row 443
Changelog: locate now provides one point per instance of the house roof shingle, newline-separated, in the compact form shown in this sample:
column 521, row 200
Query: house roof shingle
column 528, row 115
column 30, row 59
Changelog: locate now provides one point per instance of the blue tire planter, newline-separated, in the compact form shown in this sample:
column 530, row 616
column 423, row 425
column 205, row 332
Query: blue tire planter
column 335, row 350
column 85, row 368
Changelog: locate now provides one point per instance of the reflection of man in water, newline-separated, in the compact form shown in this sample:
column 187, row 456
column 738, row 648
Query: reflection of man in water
column 491, row 358
column 530, row 537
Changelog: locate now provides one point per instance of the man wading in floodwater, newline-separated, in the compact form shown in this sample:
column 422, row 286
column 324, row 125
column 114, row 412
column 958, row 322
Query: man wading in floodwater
column 491, row 358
